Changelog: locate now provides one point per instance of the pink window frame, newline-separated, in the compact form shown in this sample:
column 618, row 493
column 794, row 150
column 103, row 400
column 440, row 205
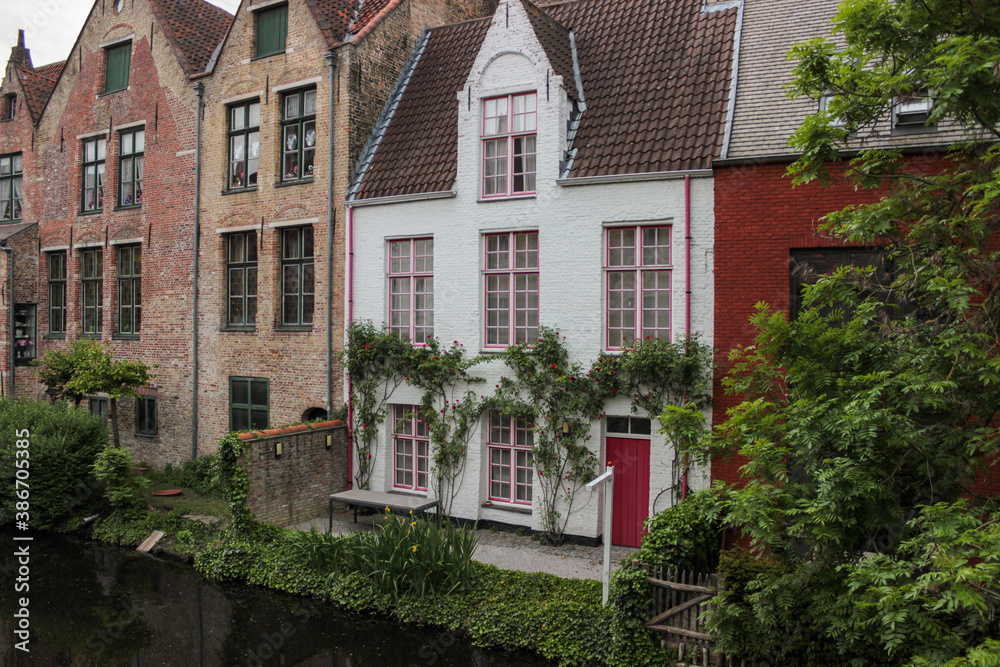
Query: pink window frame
column 513, row 428
column 512, row 272
column 407, row 415
column 411, row 277
column 637, row 269
column 508, row 136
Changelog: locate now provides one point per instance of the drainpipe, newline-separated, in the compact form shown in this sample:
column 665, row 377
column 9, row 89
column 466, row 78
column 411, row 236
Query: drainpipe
column 350, row 318
column 687, row 299
column 10, row 309
column 331, row 61
column 199, row 91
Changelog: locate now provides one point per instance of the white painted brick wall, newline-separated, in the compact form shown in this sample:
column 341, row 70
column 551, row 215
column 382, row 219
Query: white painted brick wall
column 569, row 221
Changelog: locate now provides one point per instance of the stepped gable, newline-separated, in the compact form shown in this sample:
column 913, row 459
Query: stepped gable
column 655, row 76
column 194, row 28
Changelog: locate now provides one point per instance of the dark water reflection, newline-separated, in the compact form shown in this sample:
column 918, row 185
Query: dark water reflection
column 96, row 605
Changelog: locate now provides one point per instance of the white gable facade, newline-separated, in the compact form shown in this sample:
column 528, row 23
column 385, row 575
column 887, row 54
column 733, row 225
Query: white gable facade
column 570, row 222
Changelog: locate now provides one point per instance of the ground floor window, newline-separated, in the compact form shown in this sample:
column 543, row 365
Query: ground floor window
column 510, row 443
column 249, row 403
column 411, row 449
column 145, row 415
column 98, row 407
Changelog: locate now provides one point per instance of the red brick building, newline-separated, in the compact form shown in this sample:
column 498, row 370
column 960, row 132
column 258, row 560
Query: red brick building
column 106, row 213
column 765, row 226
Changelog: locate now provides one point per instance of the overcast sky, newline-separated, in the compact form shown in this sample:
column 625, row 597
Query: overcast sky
column 51, row 26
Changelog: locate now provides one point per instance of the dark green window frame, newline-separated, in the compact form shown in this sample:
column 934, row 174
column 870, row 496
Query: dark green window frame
column 131, row 146
column 92, row 291
column 241, row 281
column 297, row 277
column 98, row 406
column 249, row 403
column 57, row 292
column 9, row 106
column 11, row 186
column 117, row 60
column 271, row 31
column 298, row 135
column 146, row 422
column 129, row 290
column 244, row 145
column 94, row 153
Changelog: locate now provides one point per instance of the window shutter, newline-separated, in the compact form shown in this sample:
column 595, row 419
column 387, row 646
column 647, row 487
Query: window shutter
column 272, row 27
column 116, row 75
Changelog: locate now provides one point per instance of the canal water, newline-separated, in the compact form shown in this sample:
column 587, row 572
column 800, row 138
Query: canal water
column 97, row 605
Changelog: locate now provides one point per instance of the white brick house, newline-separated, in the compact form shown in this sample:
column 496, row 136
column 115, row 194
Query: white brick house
column 522, row 167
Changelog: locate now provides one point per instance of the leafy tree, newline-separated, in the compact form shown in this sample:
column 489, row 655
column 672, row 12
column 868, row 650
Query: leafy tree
column 90, row 368
column 866, row 420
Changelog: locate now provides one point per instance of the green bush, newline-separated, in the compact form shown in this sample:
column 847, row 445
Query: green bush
column 400, row 556
column 195, row 475
column 63, row 445
column 685, row 536
column 122, row 488
column 630, row 601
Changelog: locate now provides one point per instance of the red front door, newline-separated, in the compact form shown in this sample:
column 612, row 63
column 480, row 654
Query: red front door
column 630, row 457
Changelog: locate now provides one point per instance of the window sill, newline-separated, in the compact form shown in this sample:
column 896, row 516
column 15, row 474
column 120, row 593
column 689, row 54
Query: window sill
column 238, row 329
column 269, row 55
column 408, row 492
column 289, row 183
column 23, row 363
column 94, row 212
column 54, row 336
column 902, row 131
column 125, row 337
column 294, row 327
column 147, row 436
column 506, row 507
column 484, row 200
column 128, row 207
column 91, row 336
column 238, row 191
column 113, row 92
column 11, row 221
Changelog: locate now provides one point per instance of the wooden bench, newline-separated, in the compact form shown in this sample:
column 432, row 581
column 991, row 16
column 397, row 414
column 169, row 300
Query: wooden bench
column 396, row 502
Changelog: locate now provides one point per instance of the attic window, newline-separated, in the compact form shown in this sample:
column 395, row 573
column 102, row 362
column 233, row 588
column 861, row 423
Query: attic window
column 117, row 61
column 509, row 127
column 9, row 107
column 824, row 104
column 271, row 31
column 913, row 111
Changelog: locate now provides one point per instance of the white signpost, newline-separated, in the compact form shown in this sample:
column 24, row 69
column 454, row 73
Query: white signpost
column 607, row 478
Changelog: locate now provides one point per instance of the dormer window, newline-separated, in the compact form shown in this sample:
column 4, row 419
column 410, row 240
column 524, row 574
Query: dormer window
column 824, row 104
column 509, row 145
column 272, row 29
column 912, row 111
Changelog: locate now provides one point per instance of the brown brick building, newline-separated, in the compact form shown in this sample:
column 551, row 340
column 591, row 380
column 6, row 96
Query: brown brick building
column 110, row 211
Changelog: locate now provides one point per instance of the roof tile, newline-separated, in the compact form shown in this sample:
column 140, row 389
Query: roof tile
column 195, row 29
column 655, row 76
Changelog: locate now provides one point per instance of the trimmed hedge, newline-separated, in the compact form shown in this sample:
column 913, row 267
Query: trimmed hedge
column 63, row 445
column 686, row 536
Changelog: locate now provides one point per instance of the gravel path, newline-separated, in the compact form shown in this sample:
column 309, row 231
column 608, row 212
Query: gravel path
column 506, row 550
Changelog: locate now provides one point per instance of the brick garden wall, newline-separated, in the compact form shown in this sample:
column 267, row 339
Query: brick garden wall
column 295, row 487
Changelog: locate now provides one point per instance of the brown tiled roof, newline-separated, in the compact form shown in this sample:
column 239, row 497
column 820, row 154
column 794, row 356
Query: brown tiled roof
column 419, row 150
column 334, row 17
column 195, row 29
column 655, row 77
column 368, row 12
column 554, row 38
column 38, row 84
column 9, row 230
